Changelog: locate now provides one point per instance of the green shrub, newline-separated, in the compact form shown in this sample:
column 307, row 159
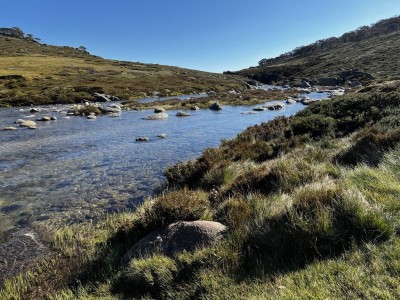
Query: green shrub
column 369, row 147
column 282, row 175
column 315, row 125
column 87, row 110
column 179, row 205
column 234, row 213
column 323, row 220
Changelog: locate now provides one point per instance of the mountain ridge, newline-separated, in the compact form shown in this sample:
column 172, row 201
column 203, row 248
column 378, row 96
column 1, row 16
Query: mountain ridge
column 370, row 49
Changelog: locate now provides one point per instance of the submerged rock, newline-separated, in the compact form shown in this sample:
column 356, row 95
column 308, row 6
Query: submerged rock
column 161, row 135
column 249, row 113
column 9, row 128
column 182, row 114
column 194, row 108
column 91, row 117
column 177, row 237
column 142, row 139
column 157, row 116
column 259, row 108
column 43, row 119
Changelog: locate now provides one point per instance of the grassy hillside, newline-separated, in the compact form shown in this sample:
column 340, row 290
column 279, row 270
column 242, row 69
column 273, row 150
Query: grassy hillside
column 312, row 203
column 372, row 49
column 35, row 73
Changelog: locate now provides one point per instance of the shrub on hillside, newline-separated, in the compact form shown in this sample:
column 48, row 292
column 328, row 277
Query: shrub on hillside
column 179, row 205
column 322, row 221
column 369, row 147
column 315, row 125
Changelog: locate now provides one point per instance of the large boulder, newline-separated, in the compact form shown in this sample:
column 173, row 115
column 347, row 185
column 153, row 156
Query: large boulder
column 101, row 97
column 216, row 106
column 158, row 116
column 290, row 101
column 355, row 83
column 274, row 106
column 305, row 84
column 177, row 237
column 328, row 81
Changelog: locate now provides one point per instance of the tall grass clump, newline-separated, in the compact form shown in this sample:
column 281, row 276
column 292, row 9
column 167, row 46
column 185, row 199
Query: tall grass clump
column 148, row 276
column 321, row 221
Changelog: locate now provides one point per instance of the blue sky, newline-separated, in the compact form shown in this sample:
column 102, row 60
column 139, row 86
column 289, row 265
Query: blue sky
column 206, row 35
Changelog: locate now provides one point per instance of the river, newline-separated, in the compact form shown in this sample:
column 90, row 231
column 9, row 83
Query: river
column 74, row 169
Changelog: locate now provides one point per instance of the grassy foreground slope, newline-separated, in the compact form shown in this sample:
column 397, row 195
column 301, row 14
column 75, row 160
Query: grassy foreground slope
column 312, row 203
column 372, row 49
column 35, row 73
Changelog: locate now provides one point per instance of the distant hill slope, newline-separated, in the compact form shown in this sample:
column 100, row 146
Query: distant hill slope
column 371, row 49
column 35, row 73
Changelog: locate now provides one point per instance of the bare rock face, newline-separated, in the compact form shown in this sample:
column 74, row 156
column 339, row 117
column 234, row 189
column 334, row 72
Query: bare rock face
column 177, row 237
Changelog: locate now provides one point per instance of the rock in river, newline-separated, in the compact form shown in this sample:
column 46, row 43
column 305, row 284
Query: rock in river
column 216, row 106
column 290, row 101
column 142, row 139
column 182, row 114
column 28, row 124
column 44, row 119
column 158, row 110
column 9, row 128
column 158, row 116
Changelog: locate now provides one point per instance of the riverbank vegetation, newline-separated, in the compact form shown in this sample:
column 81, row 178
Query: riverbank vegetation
column 312, row 203
column 246, row 98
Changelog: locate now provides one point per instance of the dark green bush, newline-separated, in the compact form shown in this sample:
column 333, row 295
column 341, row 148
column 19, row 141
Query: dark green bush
column 370, row 146
column 315, row 125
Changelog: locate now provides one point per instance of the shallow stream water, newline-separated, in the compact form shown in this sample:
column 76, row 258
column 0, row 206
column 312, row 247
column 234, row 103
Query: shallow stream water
column 75, row 169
